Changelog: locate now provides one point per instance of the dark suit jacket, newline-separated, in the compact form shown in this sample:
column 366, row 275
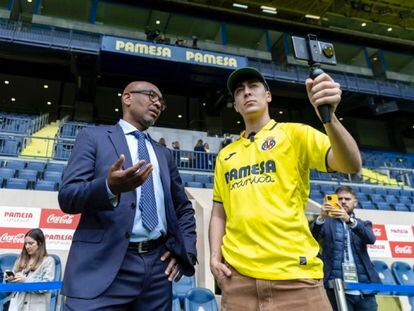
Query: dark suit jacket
column 362, row 235
column 101, row 239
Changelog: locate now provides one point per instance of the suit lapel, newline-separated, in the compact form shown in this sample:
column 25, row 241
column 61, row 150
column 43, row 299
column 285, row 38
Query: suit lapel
column 118, row 140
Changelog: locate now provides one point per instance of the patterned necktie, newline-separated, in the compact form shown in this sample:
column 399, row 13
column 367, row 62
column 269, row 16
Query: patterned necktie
column 147, row 204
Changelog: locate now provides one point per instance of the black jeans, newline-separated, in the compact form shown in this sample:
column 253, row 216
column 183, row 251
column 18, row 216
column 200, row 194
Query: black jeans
column 355, row 302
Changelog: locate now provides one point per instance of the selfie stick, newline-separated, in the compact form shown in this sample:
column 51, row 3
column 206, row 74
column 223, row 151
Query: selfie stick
column 315, row 70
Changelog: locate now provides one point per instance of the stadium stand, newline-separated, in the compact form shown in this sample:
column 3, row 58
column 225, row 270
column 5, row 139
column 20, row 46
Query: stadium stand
column 200, row 298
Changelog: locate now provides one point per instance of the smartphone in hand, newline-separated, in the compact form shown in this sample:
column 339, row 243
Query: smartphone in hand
column 332, row 199
column 9, row 275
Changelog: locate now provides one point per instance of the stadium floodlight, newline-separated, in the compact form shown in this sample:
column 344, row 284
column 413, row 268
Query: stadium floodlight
column 180, row 116
column 269, row 11
column 49, row 103
column 13, row 99
column 389, row 29
column 240, row 6
column 6, row 82
column 310, row 16
column 45, row 86
column 363, row 24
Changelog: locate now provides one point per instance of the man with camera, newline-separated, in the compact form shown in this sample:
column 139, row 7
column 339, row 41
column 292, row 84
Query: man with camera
column 262, row 252
column 344, row 250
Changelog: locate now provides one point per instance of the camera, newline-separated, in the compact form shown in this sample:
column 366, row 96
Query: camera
column 313, row 50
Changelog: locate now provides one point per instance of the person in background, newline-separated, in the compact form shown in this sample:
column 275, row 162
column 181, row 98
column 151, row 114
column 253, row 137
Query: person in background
column 162, row 142
column 33, row 265
column 175, row 145
column 200, row 159
column 344, row 249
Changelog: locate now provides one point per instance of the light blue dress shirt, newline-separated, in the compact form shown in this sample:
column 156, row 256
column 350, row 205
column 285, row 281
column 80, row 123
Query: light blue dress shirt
column 139, row 232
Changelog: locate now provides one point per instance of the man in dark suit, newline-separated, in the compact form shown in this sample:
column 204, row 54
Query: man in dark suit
column 137, row 229
column 344, row 250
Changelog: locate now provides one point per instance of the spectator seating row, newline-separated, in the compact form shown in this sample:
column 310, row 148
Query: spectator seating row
column 376, row 159
column 371, row 197
column 22, row 123
column 72, row 129
column 11, row 145
column 197, row 180
column 401, row 273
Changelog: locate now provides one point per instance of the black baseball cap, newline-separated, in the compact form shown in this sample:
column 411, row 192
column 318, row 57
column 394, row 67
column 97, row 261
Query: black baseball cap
column 244, row 74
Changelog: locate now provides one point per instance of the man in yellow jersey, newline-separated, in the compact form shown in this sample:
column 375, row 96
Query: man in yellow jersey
column 263, row 254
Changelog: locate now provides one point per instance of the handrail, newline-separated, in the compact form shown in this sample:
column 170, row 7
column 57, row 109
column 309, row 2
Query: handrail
column 377, row 287
column 29, row 286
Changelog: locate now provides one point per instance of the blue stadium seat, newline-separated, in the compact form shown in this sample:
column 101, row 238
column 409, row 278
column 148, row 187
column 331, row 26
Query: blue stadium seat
column 384, row 272
column 202, row 178
column 7, row 261
column 186, row 177
column 53, row 176
column 181, row 287
column 7, row 172
column 58, row 277
column 365, row 190
column 381, row 191
column 390, row 198
column 194, row 184
column 200, row 299
column 314, row 187
column 408, row 193
column 402, row 273
column 377, row 198
column 212, row 179
column 209, row 185
column 367, row 205
column 327, row 189
column 395, row 192
column 176, row 302
column 16, row 183
column 405, row 199
column 384, row 206
column 37, row 166
column 55, row 167
column 411, row 207
column 29, row 175
column 401, row 207
column 45, row 185
column 16, row 164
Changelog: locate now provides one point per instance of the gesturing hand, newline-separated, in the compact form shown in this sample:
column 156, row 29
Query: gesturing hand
column 120, row 180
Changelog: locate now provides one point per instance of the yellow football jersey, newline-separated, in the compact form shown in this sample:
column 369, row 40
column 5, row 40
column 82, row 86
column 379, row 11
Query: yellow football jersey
column 264, row 186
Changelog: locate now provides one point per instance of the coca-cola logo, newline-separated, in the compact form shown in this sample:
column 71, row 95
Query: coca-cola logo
column 62, row 219
column 406, row 249
column 18, row 215
column 403, row 231
column 12, row 238
column 377, row 231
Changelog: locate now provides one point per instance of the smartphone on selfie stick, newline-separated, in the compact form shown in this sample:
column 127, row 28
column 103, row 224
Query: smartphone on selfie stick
column 315, row 53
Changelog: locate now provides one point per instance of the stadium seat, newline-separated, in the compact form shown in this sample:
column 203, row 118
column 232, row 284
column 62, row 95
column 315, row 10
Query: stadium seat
column 58, row 277
column 381, row 191
column 194, row 184
column 53, row 176
column 7, row 172
column 384, row 206
column 405, row 199
column 181, row 287
column 377, row 198
column 390, row 198
column 55, row 167
column 6, row 263
column 37, row 166
column 45, row 185
column 29, row 175
column 176, row 302
column 402, row 273
column 411, row 207
column 384, row 272
column 198, row 299
column 367, row 205
column 401, row 207
column 395, row 192
column 16, row 164
column 365, row 190
column 209, row 185
column 16, row 183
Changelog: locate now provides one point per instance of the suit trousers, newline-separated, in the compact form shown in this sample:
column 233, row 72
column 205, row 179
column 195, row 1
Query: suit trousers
column 140, row 285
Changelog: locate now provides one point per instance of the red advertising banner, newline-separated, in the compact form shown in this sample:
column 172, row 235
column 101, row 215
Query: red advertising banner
column 12, row 237
column 56, row 219
column 379, row 231
column 402, row 249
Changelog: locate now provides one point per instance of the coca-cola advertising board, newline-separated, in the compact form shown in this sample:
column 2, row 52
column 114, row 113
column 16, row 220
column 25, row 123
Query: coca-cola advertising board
column 56, row 219
column 12, row 237
column 380, row 232
column 19, row 217
column 402, row 249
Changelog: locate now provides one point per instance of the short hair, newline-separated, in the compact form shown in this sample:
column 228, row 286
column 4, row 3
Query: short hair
column 345, row 189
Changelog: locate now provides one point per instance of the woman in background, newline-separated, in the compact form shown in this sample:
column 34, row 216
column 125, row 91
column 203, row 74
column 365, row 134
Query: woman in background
column 33, row 265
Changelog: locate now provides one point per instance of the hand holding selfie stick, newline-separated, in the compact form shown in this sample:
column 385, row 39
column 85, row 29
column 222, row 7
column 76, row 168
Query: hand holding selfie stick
column 324, row 110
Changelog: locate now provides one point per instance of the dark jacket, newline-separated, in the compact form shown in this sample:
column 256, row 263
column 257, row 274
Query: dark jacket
column 101, row 239
column 333, row 249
